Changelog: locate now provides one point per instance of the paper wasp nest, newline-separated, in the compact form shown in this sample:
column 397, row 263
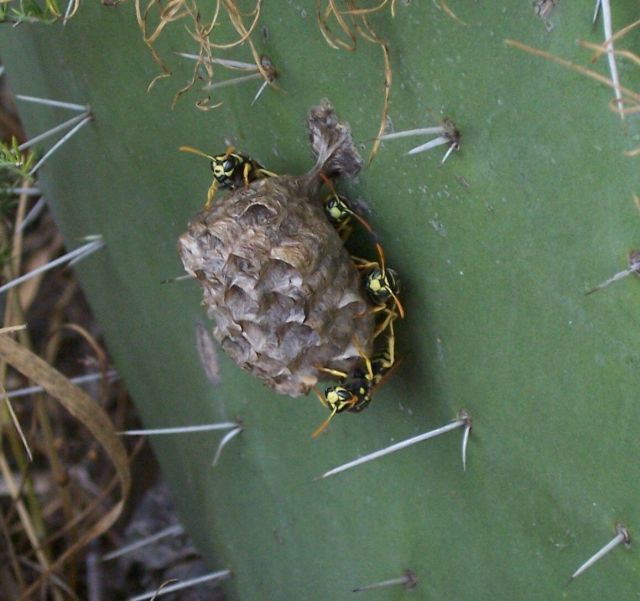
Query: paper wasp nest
column 276, row 278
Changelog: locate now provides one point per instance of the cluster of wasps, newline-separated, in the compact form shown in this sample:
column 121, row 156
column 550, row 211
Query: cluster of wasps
column 382, row 286
column 354, row 390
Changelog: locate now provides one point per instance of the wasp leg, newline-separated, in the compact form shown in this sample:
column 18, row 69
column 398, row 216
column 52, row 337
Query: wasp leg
column 323, row 426
column 398, row 304
column 213, row 188
column 344, row 231
column 363, row 264
column 262, row 172
column 391, row 292
column 246, row 170
column 333, row 372
column 388, row 320
column 389, row 361
column 365, row 358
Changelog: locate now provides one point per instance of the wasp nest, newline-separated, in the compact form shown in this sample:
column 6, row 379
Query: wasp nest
column 283, row 291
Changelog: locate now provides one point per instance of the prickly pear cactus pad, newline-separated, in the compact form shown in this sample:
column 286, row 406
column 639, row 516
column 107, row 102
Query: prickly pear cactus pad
column 496, row 249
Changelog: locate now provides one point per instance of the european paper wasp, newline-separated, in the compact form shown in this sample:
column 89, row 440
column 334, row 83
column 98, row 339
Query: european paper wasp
column 230, row 170
column 355, row 390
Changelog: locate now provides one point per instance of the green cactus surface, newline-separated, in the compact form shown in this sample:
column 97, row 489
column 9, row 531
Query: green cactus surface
column 496, row 249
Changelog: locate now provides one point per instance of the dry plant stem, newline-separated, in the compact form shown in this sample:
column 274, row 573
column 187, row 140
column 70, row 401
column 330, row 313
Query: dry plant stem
column 59, row 471
column 236, row 19
column 388, row 75
column 615, row 104
column 53, row 582
column 366, row 11
column 25, row 517
column 204, row 58
column 445, row 7
column 634, row 58
column 180, row 9
column 83, row 408
column 169, row 14
column 68, row 504
column 100, row 354
column 11, row 329
column 16, row 424
column 363, row 28
column 623, row 96
column 617, row 35
column 11, row 552
column 630, row 95
column 31, row 519
column 326, row 32
column 96, row 505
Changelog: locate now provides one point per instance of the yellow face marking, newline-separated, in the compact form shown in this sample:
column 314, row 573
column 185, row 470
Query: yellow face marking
column 335, row 213
column 375, row 285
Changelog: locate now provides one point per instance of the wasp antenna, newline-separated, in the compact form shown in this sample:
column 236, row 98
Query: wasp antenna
column 328, row 183
column 195, row 151
column 398, row 303
column 381, row 257
column 363, row 222
column 319, row 395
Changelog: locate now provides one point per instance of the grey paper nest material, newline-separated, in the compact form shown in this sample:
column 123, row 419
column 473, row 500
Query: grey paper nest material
column 283, row 291
column 331, row 143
